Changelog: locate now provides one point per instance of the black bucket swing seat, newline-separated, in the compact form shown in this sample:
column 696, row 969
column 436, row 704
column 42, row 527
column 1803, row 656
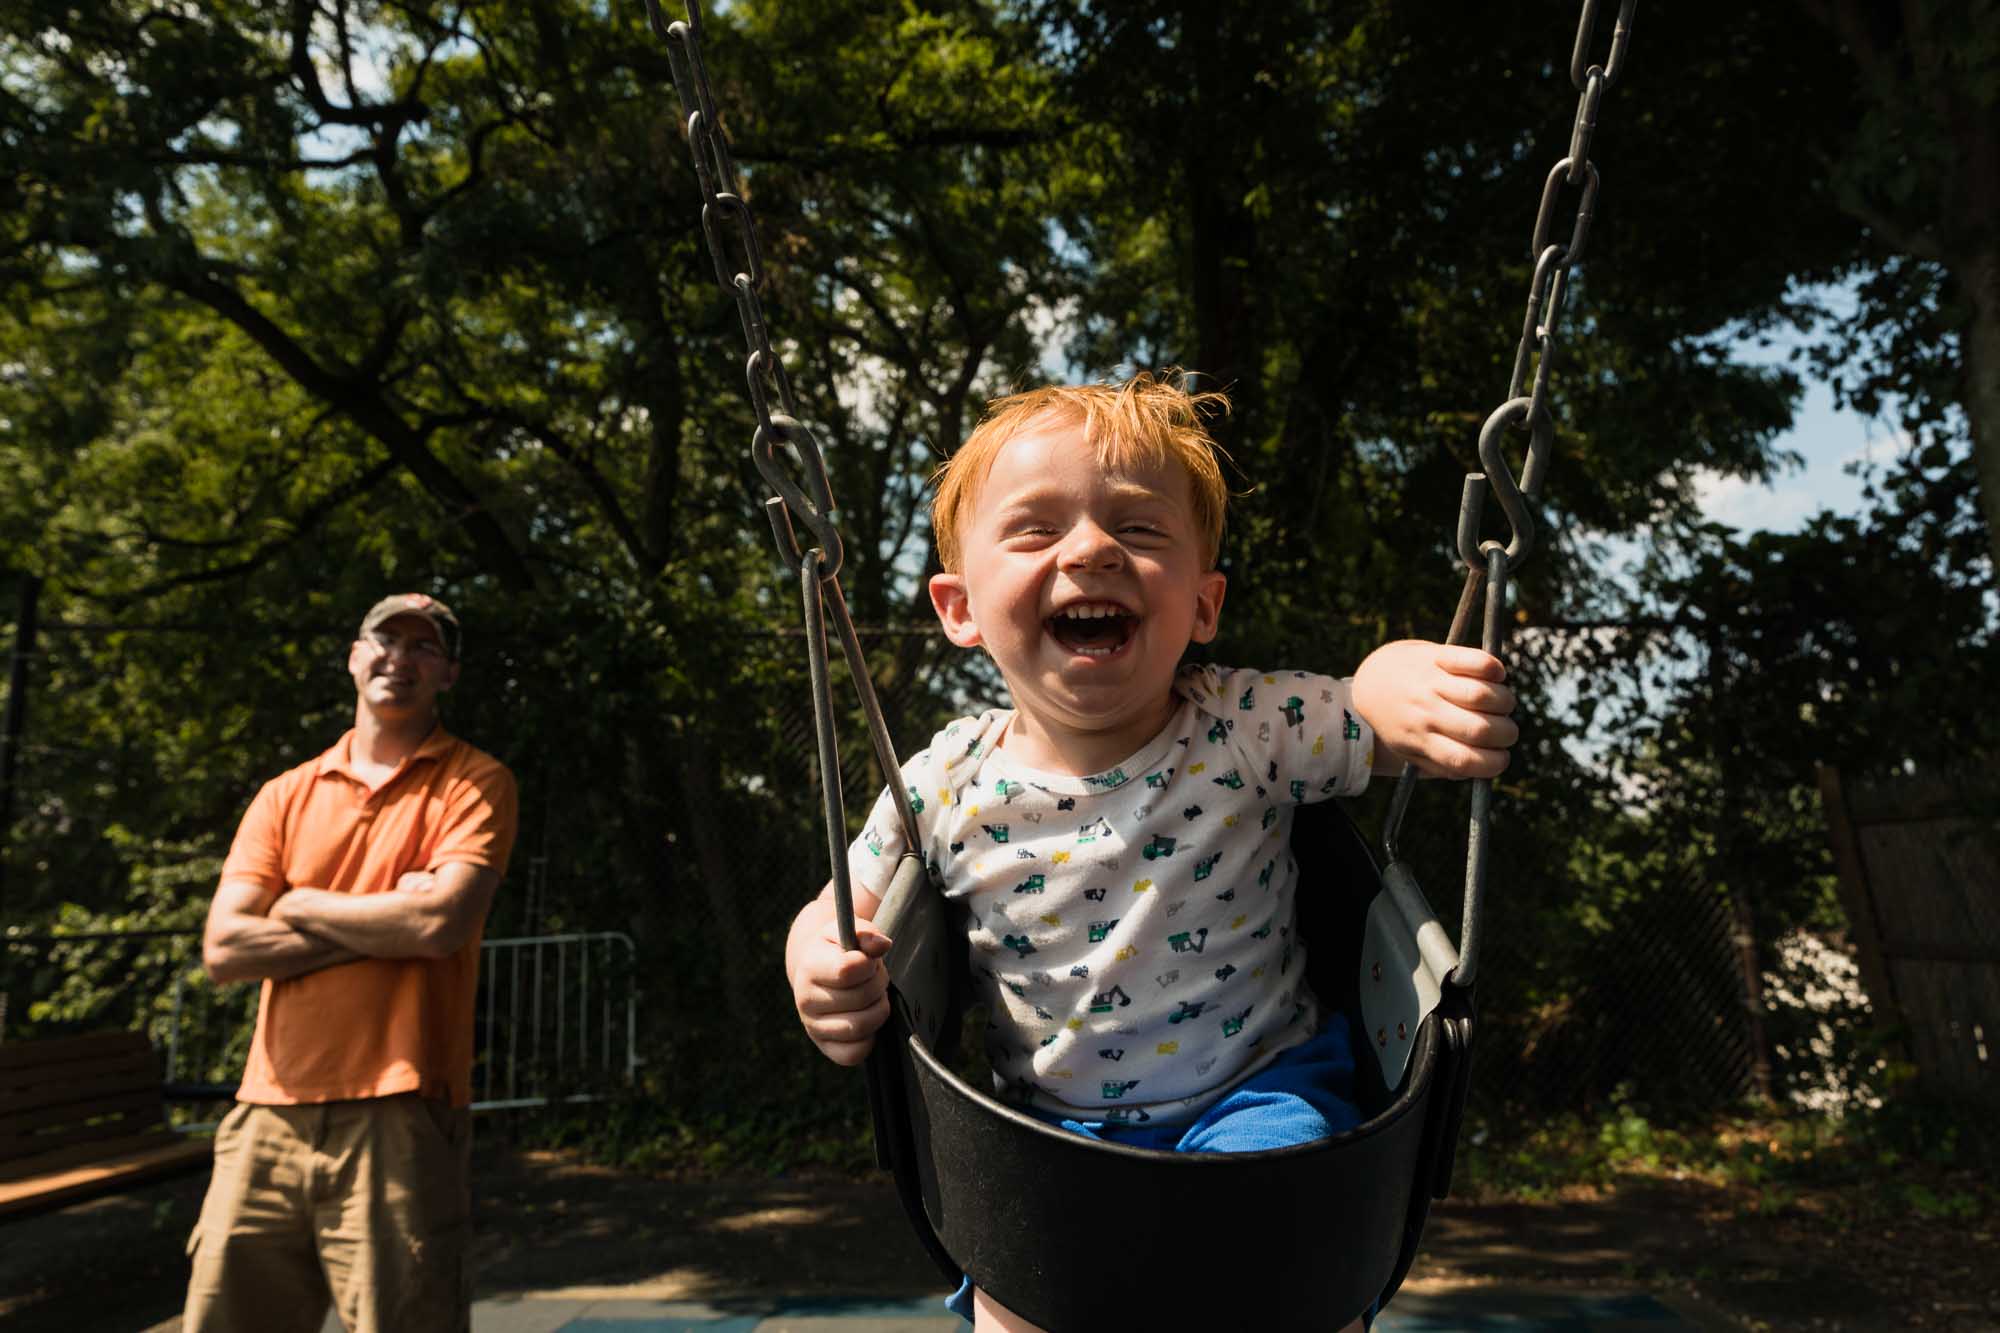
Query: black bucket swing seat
column 1304, row 1237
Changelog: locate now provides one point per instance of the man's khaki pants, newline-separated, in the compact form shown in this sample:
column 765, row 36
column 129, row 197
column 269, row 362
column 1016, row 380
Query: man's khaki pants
column 364, row 1204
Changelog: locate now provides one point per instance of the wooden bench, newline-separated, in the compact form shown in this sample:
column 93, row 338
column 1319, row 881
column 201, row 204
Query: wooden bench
column 81, row 1116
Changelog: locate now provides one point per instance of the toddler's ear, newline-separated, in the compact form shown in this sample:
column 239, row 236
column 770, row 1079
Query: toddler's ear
column 954, row 609
column 1208, row 605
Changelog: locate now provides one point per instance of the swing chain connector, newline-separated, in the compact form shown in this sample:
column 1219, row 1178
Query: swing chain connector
column 725, row 210
column 1489, row 563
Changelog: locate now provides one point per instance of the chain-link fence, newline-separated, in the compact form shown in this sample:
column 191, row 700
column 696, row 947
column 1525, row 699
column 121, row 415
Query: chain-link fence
column 1642, row 996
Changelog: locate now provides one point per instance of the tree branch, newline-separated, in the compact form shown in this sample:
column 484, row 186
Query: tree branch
column 308, row 521
column 367, row 409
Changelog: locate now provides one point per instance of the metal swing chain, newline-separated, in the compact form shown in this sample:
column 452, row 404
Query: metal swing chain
column 725, row 210
column 1490, row 561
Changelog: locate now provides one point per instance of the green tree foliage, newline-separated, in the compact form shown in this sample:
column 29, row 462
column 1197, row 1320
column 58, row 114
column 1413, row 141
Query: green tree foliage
column 1918, row 173
column 308, row 300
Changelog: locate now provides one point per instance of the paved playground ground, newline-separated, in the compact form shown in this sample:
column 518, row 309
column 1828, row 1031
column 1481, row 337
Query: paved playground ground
column 564, row 1245
column 1466, row 1310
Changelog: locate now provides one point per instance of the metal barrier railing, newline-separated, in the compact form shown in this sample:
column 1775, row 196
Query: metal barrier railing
column 561, row 1000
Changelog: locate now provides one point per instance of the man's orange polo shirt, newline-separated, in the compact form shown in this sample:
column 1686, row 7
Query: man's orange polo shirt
column 377, row 1026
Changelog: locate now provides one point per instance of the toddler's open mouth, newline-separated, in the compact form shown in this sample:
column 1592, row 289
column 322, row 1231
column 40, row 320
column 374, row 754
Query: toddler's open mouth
column 1094, row 630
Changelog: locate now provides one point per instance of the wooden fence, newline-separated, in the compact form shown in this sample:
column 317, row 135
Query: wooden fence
column 1919, row 863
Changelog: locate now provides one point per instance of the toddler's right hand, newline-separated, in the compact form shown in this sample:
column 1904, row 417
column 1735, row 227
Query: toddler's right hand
column 842, row 995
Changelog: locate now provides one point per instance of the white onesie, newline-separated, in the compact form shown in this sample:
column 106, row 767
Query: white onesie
column 1132, row 932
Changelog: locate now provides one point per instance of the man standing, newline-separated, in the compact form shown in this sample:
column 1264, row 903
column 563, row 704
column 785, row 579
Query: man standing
column 356, row 890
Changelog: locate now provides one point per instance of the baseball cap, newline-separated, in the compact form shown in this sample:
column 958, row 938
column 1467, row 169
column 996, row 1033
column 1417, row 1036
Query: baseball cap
column 417, row 604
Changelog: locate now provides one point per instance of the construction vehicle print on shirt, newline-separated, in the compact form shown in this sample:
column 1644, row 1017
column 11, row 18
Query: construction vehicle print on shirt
column 1160, row 846
column 1205, row 867
column 1066, row 803
column 1192, row 813
column 1219, row 732
column 1032, row 884
column 1294, row 709
column 1298, row 790
column 1006, row 790
column 1226, row 896
column 1167, row 978
column 1095, row 895
column 1264, row 875
column 1262, row 932
column 1159, row 779
column 1189, row 941
column 873, row 842
column 1348, row 726
column 1125, row 1115
column 916, row 802
column 1112, row 1053
column 1080, row 970
column 1042, row 979
column 1104, row 1002
column 1232, row 1026
column 1263, row 733
column 1189, row 1009
column 1248, row 701
column 1092, row 831
column 1020, row 944
column 1270, row 815
column 1113, row 1091
column 997, row 832
column 1225, row 972
column 1232, row 780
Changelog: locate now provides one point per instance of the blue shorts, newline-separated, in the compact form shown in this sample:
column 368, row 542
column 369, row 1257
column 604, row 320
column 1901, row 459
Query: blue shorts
column 1307, row 1093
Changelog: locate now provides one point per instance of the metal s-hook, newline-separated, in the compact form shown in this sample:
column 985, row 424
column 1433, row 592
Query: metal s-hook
column 1512, row 498
column 816, row 511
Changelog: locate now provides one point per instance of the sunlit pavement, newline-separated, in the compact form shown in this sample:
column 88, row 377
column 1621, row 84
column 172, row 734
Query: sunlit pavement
column 1465, row 1310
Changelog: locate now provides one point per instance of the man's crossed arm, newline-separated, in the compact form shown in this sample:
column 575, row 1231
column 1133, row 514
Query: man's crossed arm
column 255, row 932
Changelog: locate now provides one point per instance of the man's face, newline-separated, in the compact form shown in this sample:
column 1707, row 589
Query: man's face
column 400, row 667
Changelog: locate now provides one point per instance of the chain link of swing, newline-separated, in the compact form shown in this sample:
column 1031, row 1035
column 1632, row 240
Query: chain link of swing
column 1491, row 562
column 725, row 211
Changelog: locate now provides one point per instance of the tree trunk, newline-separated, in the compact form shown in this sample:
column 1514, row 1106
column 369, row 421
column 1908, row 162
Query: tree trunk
column 17, row 720
column 1981, row 351
column 699, row 781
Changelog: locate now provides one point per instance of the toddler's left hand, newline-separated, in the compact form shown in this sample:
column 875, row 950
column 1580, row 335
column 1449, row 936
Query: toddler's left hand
column 1443, row 708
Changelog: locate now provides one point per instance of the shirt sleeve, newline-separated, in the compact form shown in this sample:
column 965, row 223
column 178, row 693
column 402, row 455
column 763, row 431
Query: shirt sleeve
column 481, row 817
column 258, row 852
column 1295, row 734
column 872, row 857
